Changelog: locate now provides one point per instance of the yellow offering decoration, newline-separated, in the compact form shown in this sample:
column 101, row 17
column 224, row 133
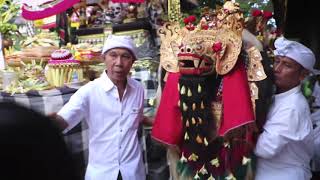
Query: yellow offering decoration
column 63, row 69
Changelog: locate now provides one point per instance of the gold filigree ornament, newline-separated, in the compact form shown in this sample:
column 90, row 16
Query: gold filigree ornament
column 211, row 177
column 193, row 157
column 255, row 69
column 203, row 170
column 183, row 159
column 254, row 93
column 170, row 35
column 216, row 107
column 255, row 72
column 215, row 162
column 199, row 139
column 230, row 22
column 229, row 59
column 245, row 160
column 230, row 177
column 196, row 177
column 174, row 10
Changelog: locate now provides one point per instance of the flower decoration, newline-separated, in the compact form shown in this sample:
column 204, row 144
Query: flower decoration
column 217, row 47
column 267, row 14
column 204, row 24
column 188, row 21
column 192, row 18
column 204, row 27
column 190, row 27
column 256, row 13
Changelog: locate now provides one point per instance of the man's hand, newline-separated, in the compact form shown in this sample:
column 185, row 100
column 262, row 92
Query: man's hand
column 58, row 121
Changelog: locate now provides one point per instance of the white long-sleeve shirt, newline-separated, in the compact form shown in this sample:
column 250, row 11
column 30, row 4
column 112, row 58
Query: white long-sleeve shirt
column 285, row 147
column 112, row 125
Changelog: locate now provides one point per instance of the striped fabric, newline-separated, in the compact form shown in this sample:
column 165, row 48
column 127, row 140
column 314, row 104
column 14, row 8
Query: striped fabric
column 50, row 101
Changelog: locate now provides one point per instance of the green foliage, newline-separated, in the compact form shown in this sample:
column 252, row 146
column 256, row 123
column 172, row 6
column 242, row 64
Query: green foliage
column 8, row 11
column 307, row 89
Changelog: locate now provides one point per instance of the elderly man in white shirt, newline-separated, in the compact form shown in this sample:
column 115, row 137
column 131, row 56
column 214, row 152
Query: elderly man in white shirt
column 285, row 147
column 113, row 108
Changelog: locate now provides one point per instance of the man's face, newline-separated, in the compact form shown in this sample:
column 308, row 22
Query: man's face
column 287, row 73
column 118, row 62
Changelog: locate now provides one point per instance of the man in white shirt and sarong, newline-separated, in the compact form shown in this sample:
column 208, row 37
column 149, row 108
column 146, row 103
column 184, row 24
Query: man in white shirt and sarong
column 112, row 105
column 285, row 147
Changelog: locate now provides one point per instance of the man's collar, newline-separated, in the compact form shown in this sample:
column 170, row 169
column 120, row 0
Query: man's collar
column 287, row 93
column 107, row 84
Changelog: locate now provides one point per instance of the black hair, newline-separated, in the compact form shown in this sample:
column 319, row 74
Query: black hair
column 31, row 146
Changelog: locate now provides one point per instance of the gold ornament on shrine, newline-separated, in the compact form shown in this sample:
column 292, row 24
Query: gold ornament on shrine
column 174, row 12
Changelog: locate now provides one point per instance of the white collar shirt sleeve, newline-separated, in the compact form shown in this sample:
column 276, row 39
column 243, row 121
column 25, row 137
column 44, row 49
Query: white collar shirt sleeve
column 75, row 109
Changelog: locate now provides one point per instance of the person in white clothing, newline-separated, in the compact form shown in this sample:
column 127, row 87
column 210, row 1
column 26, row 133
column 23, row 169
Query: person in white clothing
column 285, row 147
column 112, row 105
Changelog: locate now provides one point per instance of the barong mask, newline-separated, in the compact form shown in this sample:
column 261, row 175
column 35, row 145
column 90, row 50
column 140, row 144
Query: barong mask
column 202, row 49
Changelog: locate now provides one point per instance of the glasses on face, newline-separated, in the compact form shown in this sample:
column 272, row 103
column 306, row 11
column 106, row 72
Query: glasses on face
column 124, row 56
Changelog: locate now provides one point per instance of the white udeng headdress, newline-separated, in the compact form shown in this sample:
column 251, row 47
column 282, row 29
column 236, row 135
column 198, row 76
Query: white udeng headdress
column 296, row 51
column 126, row 42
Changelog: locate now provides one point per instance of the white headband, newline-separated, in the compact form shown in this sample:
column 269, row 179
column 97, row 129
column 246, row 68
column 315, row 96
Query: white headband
column 296, row 51
column 114, row 41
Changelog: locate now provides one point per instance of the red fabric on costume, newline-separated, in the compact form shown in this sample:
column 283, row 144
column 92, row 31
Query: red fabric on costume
column 167, row 127
column 237, row 107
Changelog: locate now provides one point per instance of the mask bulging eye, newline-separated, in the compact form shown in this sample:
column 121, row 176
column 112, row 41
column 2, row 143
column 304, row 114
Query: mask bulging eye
column 182, row 49
column 188, row 49
column 198, row 47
